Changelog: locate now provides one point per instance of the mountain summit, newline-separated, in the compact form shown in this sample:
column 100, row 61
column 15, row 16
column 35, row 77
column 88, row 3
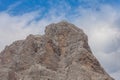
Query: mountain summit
column 62, row 53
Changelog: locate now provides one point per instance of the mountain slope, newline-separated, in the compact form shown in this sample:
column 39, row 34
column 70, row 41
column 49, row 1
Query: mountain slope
column 62, row 53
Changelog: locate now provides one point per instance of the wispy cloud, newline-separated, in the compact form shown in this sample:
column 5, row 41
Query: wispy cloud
column 14, row 5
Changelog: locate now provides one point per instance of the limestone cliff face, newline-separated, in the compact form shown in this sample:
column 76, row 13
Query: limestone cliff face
column 62, row 53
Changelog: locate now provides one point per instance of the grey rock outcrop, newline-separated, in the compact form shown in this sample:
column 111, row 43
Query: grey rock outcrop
column 62, row 53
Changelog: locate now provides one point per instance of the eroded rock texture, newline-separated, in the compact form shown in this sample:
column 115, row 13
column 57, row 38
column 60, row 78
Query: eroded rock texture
column 62, row 53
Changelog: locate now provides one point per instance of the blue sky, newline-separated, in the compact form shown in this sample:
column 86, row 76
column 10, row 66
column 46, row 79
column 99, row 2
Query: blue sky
column 100, row 20
column 19, row 7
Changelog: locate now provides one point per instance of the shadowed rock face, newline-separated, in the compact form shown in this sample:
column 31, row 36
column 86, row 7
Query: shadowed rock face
column 62, row 53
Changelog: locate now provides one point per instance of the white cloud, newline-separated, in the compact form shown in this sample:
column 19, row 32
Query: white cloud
column 116, row 75
column 14, row 27
column 18, row 27
column 103, row 35
column 99, row 25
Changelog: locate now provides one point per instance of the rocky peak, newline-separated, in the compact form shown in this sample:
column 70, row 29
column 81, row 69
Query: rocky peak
column 62, row 53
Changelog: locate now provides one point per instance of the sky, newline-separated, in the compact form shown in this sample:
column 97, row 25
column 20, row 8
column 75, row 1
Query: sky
column 100, row 20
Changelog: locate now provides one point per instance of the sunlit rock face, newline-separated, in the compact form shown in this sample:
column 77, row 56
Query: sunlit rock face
column 62, row 53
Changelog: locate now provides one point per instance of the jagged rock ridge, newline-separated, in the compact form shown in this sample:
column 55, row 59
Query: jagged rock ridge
column 62, row 53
